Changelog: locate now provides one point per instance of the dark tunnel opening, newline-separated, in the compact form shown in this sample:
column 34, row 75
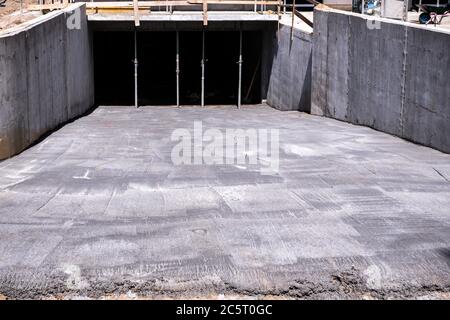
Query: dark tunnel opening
column 114, row 68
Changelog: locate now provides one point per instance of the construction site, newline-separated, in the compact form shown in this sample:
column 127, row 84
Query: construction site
column 352, row 200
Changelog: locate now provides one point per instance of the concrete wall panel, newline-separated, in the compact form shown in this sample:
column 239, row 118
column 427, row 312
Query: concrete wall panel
column 13, row 95
column 36, row 72
column 80, row 67
column 46, row 78
column 388, row 75
column 337, row 65
column 319, row 65
column 427, row 89
column 375, row 78
column 290, row 77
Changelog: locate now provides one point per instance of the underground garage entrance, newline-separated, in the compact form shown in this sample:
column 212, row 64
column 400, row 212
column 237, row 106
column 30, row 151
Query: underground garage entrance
column 208, row 65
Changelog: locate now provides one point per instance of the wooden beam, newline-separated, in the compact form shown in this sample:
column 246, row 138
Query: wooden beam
column 234, row 2
column 314, row 2
column 303, row 18
column 137, row 23
column 110, row 5
column 130, row 4
column 177, row 3
column 145, row 5
column 205, row 12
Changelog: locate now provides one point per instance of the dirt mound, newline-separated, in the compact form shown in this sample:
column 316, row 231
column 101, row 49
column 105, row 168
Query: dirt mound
column 11, row 16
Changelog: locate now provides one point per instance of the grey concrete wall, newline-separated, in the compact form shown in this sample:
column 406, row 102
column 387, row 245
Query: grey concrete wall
column 289, row 79
column 392, row 78
column 46, row 78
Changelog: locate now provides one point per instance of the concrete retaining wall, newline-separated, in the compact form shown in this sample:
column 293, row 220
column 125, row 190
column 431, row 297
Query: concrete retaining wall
column 393, row 78
column 46, row 78
column 289, row 85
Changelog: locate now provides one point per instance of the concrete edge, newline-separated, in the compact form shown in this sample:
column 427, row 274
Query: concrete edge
column 298, row 24
column 386, row 20
column 185, row 17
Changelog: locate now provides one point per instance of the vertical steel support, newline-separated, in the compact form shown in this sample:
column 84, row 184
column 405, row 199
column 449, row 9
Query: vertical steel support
column 178, row 70
column 202, row 64
column 136, row 103
column 240, row 70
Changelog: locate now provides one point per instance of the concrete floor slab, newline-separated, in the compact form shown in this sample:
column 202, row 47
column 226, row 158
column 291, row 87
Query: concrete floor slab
column 98, row 208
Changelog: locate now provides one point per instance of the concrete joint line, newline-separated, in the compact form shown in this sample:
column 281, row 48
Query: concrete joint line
column 27, row 68
column 403, row 92
column 327, row 73
column 66, row 67
column 349, row 71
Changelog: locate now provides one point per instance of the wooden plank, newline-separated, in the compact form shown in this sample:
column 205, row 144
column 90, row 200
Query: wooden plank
column 314, row 2
column 303, row 18
column 205, row 12
column 231, row 2
column 148, row 4
column 127, row 11
column 110, row 5
column 177, row 2
column 130, row 4
column 137, row 23
column 143, row 4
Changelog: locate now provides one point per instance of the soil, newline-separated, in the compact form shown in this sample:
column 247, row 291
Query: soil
column 10, row 15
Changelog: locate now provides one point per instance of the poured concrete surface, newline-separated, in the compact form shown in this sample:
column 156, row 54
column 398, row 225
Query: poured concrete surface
column 98, row 208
